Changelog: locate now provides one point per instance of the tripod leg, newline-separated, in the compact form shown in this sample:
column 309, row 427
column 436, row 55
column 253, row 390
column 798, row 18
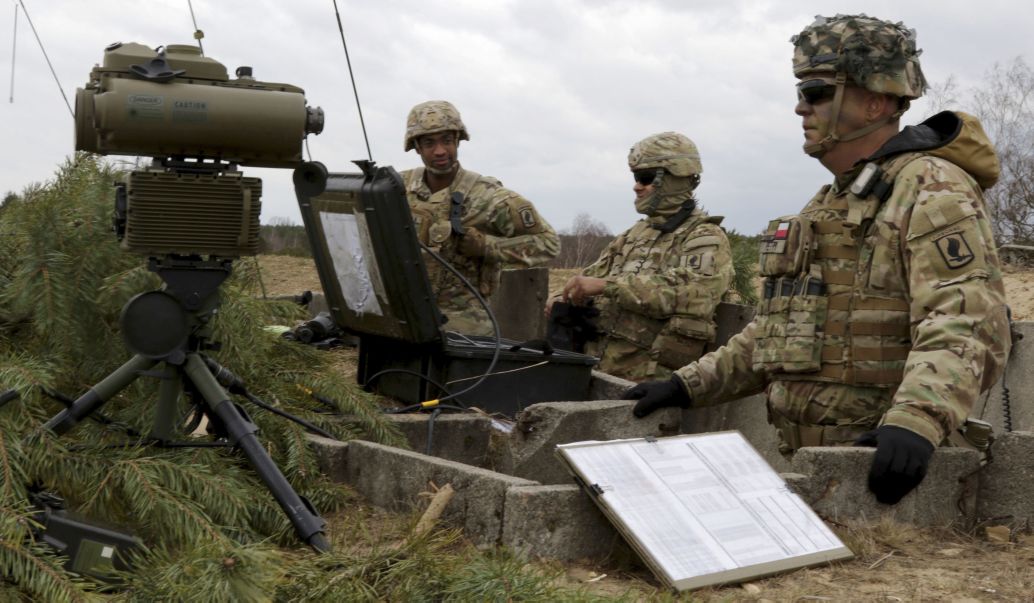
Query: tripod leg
column 97, row 395
column 307, row 523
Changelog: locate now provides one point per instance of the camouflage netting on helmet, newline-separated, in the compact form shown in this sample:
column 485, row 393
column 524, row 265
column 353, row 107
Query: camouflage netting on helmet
column 432, row 117
column 877, row 55
column 669, row 150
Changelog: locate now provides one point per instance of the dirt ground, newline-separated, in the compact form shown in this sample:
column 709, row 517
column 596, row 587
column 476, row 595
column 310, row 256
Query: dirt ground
column 892, row 562
column 287, row 275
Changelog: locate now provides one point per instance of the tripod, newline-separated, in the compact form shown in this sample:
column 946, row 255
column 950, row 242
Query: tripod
column 171, row 327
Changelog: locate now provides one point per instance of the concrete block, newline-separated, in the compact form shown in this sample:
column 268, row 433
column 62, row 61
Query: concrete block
column 331, row 456
column 541, row 427
column 748, row 416
column 518, row 303
column 1019, row 377
column 393, row 478
column 456, row 437
column 603, row 386
column 557, row 522
column 1007, row 482
column 836, row 487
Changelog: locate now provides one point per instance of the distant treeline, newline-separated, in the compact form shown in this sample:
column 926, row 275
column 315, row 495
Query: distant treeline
column 284, row 239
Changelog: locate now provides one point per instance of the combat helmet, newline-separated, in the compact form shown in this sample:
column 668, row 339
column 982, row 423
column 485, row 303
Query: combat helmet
column 668, row 150
column 877, row 55
column 432, row 117
column 677, row 166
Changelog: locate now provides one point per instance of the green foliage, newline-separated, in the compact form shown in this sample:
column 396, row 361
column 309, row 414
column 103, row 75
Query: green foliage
column 281, row 237
column 210, row 526
column 433, row 567
column 745, row 261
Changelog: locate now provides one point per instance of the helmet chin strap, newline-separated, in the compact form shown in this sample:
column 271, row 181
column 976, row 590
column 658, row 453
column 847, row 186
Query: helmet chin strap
column 831, row 138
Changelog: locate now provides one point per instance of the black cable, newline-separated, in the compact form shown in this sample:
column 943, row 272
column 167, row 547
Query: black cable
column 374, row 376
column 430, row 429
column 276, row 411
column 235, row 385
column 416, row 407
column 491, row 318
column 355, row 90
column 54, row 73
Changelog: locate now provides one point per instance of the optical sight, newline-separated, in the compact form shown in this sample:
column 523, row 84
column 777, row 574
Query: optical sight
column 199, row 126
column 173, row 102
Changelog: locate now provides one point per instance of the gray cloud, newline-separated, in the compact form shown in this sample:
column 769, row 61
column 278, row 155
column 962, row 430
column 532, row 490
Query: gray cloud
column 554, row 93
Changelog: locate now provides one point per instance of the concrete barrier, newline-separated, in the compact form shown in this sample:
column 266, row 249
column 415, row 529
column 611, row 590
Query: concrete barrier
column 531, row 504
column 557, row 522
column 393, row 478
column 834, row 482
column 1007, row 482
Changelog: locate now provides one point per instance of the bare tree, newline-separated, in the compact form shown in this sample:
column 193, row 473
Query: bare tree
column 581, row 244
column 1005, row 105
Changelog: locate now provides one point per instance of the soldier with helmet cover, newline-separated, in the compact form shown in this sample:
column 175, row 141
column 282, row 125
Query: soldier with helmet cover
column 477, row 225
column 658, row 283
column 883, row 311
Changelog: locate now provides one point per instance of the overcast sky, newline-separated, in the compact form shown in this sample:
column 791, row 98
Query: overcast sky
column 553, row 92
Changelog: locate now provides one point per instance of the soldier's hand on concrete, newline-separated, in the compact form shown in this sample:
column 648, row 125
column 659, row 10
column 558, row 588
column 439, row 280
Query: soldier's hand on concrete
column 657, row 394
column 900, row 463
column 472, row 243
column 579, row 289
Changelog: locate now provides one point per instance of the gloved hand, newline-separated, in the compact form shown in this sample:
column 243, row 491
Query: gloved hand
column 900, row 463
column 472, row 243
column 657, row 394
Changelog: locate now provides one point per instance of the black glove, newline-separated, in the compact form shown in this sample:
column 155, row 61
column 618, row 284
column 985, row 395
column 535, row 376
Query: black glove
column 657, row 394
column 900, row 463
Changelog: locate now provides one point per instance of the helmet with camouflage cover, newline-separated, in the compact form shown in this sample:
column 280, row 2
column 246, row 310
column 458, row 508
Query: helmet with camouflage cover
column 877, row 55
column 870, row 53
column 676, row 162
column 669, row 150
column 432, row 117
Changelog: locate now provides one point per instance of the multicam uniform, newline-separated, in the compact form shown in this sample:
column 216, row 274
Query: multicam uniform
column 884, row 307
column 515, row 237
column 657, row 310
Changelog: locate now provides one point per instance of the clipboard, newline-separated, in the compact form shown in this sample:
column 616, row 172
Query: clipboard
column 701, row 509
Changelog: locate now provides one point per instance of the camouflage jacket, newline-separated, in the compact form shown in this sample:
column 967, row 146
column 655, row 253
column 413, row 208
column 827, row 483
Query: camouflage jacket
column 516, row 236
column 911, row 323
column 661, row 292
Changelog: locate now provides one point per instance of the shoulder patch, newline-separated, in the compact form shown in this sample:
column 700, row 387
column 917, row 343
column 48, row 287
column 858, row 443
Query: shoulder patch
column 527, row 214
column 954, row 249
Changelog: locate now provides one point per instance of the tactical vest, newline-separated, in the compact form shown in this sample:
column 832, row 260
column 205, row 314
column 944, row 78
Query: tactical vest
column 835, row 305
column 434, row 229
column 676, row 340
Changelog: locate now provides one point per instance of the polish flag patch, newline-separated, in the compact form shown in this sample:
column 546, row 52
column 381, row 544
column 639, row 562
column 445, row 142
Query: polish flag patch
column 782, row 231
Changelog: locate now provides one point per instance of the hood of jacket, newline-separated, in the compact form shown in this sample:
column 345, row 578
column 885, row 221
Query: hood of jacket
column 952, row 135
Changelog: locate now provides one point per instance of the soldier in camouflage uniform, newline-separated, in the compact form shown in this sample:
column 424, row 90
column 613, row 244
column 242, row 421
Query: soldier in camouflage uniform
column 473, row 222
column 883, row 315
column 657, row 284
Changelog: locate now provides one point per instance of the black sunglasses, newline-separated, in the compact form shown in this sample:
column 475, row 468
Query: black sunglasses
column 814, row 92
column 645, row 177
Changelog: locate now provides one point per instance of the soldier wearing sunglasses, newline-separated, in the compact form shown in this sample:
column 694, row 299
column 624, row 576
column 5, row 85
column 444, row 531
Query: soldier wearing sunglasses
column 475, row 223
column 658, row 283
column 883, row 311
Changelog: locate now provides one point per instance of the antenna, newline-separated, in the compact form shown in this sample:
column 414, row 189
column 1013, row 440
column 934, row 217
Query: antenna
column 14, row 47
column 198, row 34
column 54, row 73
column 350, row 75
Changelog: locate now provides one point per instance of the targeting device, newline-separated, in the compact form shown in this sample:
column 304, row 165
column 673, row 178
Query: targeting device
column 192, row 213
column 183, row 110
